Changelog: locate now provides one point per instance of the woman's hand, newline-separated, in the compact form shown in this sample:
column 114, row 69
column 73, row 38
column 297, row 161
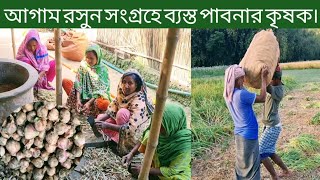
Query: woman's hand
column 101, row 125
column 79, row 105
column 106, row 125
column 41, row 74
column 126, row 160
column 86, row 107
column 135, row 169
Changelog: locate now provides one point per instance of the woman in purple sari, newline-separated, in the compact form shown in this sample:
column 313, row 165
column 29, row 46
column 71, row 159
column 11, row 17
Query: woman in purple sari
column 31, row 51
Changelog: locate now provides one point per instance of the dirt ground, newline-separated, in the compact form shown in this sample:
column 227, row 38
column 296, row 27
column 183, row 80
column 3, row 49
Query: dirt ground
column 295, row 116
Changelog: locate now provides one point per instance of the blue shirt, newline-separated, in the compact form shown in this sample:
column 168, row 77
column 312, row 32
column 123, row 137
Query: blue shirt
column 244, row 118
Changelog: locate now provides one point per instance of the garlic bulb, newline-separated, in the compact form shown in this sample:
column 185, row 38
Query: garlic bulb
column 28, row 107
column 79, row 139
column 65, row 116
column 30, row 132
column 13, row 147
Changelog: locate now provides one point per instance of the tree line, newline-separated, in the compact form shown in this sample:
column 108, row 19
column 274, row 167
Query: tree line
column 214, row 47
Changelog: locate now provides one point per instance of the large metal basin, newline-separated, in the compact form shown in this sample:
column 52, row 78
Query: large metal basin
column 16, row 85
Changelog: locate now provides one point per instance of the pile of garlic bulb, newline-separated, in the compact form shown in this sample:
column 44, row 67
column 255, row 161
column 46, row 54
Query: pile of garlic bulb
column 41, row 140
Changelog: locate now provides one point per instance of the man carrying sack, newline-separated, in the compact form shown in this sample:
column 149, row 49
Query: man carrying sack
column 272, row 126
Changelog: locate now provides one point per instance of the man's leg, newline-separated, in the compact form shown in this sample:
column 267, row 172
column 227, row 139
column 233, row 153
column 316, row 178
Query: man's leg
column 269, row 166
column 279, row 162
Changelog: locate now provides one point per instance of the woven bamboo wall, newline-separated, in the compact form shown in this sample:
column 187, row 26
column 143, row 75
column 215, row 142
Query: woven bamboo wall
column 151, row 42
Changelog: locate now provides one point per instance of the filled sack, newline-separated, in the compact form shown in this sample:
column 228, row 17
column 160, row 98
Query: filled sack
column 263, row 50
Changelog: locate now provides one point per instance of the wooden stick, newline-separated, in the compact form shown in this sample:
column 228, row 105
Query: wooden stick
column 13, row 43
column 57, row 41
column 161, row 97
column 139, row 54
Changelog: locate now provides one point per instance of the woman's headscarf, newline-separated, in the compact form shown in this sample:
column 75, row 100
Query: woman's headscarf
column 121, row 96
column 140, row 112
column 232, row 73
column 177, row 138
column 40, row 61
column 93, row 81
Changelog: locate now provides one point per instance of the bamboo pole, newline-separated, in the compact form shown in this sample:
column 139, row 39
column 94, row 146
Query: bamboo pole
column 13, row 43
column 57, row 41
column 161, row 97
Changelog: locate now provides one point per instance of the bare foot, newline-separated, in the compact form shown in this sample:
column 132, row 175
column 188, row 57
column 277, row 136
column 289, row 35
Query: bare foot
column 285, row 174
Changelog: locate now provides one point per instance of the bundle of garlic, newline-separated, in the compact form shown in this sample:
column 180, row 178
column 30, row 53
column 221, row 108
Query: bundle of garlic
column 41, row 141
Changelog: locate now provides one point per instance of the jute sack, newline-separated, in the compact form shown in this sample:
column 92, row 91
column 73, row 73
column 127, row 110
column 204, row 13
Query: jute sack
column 263, row 50
column 74, row 46
column 64, row 35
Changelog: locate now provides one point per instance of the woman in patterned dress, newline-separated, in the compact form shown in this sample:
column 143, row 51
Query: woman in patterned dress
column 90, row 92
column 128, row 115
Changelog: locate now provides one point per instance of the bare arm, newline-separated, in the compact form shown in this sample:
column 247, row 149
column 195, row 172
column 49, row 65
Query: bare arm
column 155, row 171
column 262, row 96
column 78, row 103
column 113, row 127
column 78, row 96
column 135, row 151
column 91, row 101
column 103, row 117
column 126, row 160
column 105, row 125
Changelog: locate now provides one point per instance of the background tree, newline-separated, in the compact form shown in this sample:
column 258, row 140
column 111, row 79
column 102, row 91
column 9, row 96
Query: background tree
column 213, row 47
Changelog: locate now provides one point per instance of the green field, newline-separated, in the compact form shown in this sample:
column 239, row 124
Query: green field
column 211, row 121
column 303, row 75
column 210, row 117
column 299, row 76
column 301, row 153
column 208, row 72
